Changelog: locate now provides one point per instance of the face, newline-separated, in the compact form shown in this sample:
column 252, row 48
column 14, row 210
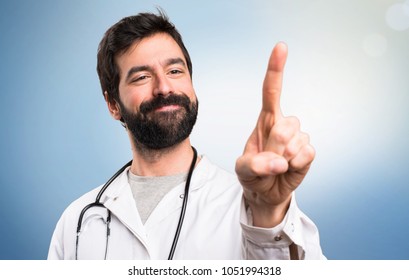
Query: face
column 157, row 99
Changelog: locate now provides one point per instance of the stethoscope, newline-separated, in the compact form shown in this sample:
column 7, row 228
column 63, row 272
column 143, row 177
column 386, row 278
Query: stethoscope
column 97, row 203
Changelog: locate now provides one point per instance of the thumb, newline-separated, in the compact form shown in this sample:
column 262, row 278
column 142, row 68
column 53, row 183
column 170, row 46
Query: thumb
column 263, row 164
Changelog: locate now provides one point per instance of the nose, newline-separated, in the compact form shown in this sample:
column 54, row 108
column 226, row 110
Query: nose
column 163, row 86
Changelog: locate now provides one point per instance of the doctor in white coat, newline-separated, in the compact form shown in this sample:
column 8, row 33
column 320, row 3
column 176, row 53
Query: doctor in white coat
column 146, row 78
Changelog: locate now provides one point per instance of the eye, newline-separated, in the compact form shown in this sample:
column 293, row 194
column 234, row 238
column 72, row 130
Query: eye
column 139, row 78
column 175, row 72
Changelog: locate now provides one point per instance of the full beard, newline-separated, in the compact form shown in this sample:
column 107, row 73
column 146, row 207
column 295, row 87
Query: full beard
column 158, row 130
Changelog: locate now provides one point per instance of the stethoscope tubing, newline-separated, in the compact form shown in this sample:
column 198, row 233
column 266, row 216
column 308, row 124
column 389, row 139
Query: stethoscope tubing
column 184, row 205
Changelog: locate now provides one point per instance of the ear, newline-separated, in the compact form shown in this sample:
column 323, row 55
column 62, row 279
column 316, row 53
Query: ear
column 113, row 107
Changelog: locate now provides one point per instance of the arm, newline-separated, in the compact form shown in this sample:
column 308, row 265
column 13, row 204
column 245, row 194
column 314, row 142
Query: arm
column 276, row 158
column 296, row 237
column 277, row 155
column 56, row 251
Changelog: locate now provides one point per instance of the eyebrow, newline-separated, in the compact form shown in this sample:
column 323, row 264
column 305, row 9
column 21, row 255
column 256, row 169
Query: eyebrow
column 168, row 62
column 176, row 60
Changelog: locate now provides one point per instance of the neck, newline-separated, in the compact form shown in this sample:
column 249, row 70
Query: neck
column 164, row 162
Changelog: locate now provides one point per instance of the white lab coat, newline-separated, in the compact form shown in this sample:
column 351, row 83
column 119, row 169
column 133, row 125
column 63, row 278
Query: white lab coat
column 216, row 225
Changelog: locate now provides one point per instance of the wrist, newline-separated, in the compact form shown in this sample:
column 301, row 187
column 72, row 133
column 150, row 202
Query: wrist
column 266, row 215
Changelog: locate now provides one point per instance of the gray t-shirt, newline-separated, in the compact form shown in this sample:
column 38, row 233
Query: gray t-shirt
column 149, row 191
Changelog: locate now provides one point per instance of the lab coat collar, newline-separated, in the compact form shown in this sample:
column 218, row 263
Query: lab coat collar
column 202, row 171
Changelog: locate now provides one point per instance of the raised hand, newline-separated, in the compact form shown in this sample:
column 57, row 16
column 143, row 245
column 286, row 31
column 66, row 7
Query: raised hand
column 277, row 155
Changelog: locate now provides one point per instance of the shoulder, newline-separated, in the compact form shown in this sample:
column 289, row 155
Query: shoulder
column 75, row 207
column 213, row 171
column 115, row 187
column 211, row 175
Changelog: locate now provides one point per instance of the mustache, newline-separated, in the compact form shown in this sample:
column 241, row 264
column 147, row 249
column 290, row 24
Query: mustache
column 160, row 101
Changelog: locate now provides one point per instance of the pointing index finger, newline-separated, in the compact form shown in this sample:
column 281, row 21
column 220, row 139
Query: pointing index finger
column 274, row 79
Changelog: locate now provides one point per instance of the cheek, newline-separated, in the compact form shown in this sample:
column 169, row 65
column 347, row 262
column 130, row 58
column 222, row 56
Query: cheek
column 187, row 88
column 132, row 97
column 191, row 93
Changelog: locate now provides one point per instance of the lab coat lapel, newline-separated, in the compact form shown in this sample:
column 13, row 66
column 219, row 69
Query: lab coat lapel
column 172, row 201
column 119, row 200
column 169, row 204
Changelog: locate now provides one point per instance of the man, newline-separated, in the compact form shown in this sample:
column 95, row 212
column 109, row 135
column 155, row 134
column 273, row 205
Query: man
column 146, row 78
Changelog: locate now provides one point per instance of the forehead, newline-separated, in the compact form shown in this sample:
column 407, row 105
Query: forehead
column 149, row 51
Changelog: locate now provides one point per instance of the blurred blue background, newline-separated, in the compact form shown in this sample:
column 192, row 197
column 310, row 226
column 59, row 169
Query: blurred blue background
column 346, row 79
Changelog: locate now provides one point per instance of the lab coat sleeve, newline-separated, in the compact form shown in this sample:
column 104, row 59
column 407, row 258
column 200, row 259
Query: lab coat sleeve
column 274, row 243
column 56, row 250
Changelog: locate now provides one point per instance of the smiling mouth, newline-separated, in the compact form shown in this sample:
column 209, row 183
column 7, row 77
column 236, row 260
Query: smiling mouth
column 168, row 108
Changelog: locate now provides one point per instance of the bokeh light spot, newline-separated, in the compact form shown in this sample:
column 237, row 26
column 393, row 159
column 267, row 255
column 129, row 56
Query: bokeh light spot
column 397, row 16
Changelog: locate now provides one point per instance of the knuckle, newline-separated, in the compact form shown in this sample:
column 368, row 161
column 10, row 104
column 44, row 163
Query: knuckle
column 305, row 138
column 309, row 152
column 304, row 158
column 268, row 89
column 290, row 152
column 297, row 164
column 282, row 133
column 284, row 130
column 293, row 121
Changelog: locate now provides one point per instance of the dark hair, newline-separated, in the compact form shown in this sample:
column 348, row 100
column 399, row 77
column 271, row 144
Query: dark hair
column 121, row 36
